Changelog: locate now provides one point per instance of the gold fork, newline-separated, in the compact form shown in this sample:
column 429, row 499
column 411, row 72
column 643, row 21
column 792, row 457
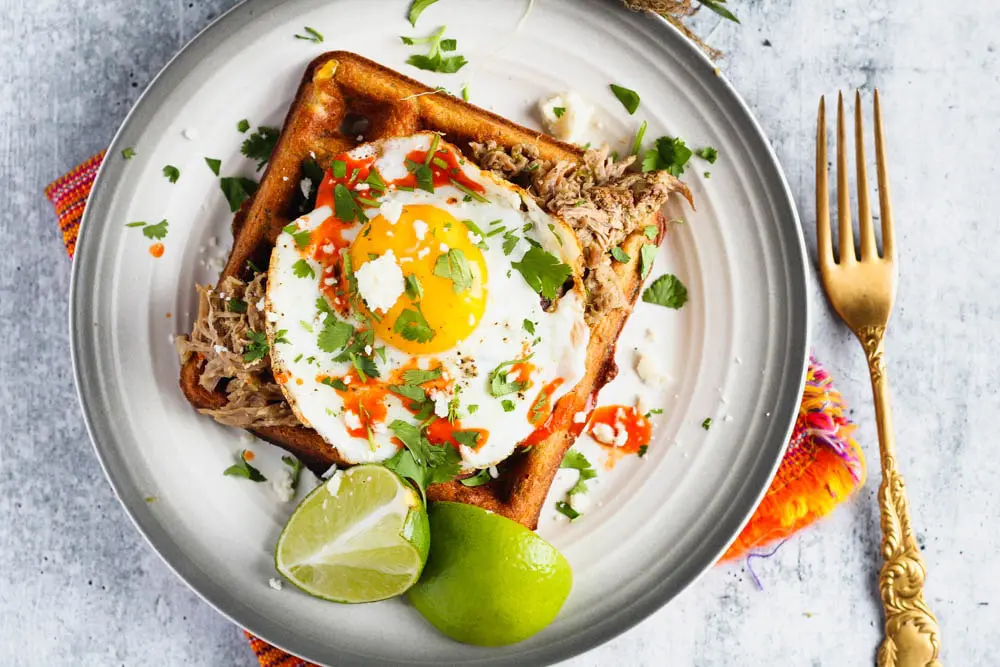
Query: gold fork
column 862, row 292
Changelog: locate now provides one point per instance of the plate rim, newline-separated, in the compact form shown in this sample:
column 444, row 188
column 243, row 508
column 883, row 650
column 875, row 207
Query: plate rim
column 796, row 357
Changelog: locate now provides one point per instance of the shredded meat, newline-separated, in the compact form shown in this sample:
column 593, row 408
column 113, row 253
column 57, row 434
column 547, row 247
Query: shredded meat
column 598, row 197
column 220, row 338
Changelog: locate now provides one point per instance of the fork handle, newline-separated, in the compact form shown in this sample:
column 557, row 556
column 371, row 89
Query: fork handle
column 912, row 635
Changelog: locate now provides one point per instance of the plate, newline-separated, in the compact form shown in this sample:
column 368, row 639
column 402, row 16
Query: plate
column 735, row 353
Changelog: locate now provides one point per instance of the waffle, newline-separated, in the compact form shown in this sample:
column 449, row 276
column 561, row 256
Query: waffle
column 344, row 100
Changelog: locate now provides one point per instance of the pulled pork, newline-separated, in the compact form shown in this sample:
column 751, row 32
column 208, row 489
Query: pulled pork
column 220, row 338
column 598, row 197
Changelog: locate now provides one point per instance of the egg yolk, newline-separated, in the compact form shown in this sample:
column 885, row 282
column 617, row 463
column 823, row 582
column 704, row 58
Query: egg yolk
column 421, row 240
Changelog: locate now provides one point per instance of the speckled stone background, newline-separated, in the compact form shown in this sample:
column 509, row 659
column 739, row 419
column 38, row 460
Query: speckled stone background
column 79, row 587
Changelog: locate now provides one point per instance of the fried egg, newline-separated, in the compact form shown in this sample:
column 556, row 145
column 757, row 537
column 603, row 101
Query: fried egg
column 423, row 291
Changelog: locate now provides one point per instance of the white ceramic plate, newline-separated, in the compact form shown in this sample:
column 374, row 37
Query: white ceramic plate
column 735, row 353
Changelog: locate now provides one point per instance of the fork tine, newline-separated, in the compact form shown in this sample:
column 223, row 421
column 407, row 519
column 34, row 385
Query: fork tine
column 847, row 255
column 822, row 192
column 869, row 250
column 885, row 205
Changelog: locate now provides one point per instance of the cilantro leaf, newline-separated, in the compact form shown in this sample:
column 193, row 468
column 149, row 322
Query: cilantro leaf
column 437, row 63
column 707, row 423
column 410, row 391
column 421, row 461
column 411, row 325
column 453, row 266
column 302, row 239
column 508, row 405
column 467, row 438
column 413, row 288
column 577, row 461
column 365, row 366
column 345, row 207
column 642, row 450
column 510, row 241
column 670, row 154
column 296, row 467
column 667, row 290
column 257, row 347
column 647, row 253
column 637, row 144
column 242, row 468
column 416, row 9
column 469, row 192
column 651, row 232
column 465, row 92
column 558, row 111
column 213, row 164
column 311, row 35
column 628, row 98
column 529, row 326
column 259, row 145
column 543, row 272
column 334, row 335
column 157, row 231
column 481, row 477
column 236, row 306
column 171, row 173
column 302, row 269
column 128, row 152
column 237, row 190
column 499, row 383
column 717, row 7
column 707, row 154
column 620, row 255
column 243, row 126
column 417, row 376
column 449, row 44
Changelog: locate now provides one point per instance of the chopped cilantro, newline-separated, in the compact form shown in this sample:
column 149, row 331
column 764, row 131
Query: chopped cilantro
column 508, row 405
column 470, row 193
column 365, row 366
column 423, row 174
column 628, row 98
column 481, row 477
column 302, row 269
column 157, row 231
column 259, row 145
column 311, row 35
column 418, row 376
column 237, row 190
column 434, row 61
column 279, row 337
column 411, row 325
column 453, row 266
column 242, row 468
column 637, row 144
column 647, row 253
column 667, row 290
column 257, row 346
column 416, row 9
column 236, row 306
column 213, row 164
column 375, row 181
column 336, row 383
column 467, row 438
column 135, row 224
column 302, row 238
column 335, row 334
column 670, row 154
column 653, row 411
column 413, row 288
column 419, row 461
column 577, row 461
column 128, row 153
column 510, row 240
column 243, row 126
column 651, row 232
column 620, row 255
column 346, row 209
column 296, row 467
column 563, row 508
column 339, row 169
column 707, row 154
column 717, row 7
column 465, row 92
column 642, row 450
column 559, row 111
column 171, row 173
column 529, row 326
column 707, row 174
column 707, row 423
column 500, row 385
column 543, row 272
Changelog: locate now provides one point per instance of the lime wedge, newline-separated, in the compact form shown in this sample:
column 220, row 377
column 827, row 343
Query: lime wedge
column 489, row 581
column 361, row 536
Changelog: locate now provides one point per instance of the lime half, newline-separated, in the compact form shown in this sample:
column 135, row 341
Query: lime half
column 361, row 536
column 489, row 580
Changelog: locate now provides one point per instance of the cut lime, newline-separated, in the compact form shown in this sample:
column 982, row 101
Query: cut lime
column 361, row 536
column 489, row 581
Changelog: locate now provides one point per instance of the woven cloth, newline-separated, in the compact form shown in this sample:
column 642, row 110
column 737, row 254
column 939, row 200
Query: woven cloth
column 821, row 468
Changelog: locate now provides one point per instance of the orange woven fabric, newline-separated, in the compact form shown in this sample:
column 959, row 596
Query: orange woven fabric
column 822, row 467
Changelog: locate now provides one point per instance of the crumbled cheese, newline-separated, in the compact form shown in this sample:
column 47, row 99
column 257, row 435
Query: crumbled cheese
column 328, row 248
column 645, row 367
column 579, row 502
column 333, row 484
column 329, row 472
column 361, row 187
column 494, row 473
column 272, row 316
column 420, row 229
column 379, row 427
column 727, row 418
column 603, row 433
column 575, row 118
column 423, row 252
column 368, row 350
column 580, row 418
column 391, row 210
column 282, row 487
column 441, row 404
column 305, row 185
column 274, row 583
column 443, row 248
column 219, row 349
column 284, row 178
column 329, row 281
column 474, row 238
column 472, row 319
column 380, row 282
column 260, row 304
column 621, row 435
column 352, row 420
column 641, row 406
column 190, row 133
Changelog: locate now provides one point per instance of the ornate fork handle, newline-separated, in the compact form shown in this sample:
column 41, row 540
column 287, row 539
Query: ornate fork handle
column 912, row 636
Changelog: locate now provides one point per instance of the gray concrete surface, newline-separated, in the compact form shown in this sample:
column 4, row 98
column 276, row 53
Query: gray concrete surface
column 79, row 587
